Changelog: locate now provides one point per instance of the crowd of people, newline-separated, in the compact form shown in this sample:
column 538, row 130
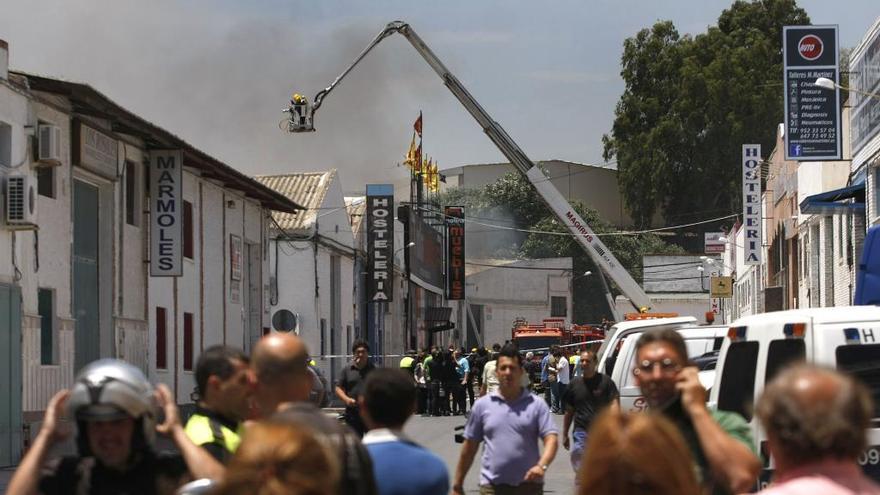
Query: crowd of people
column 258, row 429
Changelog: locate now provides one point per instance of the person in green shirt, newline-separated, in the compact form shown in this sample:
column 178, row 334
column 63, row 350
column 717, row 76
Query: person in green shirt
column 720, row 441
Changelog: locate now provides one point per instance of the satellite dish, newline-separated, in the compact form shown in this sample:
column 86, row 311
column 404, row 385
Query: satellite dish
column 284, row 321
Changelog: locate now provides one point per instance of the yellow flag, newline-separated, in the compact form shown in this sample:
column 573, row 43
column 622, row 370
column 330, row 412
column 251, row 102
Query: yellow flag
column 410, row 160
column 435, row 178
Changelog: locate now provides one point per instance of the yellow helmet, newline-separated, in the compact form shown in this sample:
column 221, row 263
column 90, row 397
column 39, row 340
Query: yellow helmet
column 298, row 98
column 312, row 362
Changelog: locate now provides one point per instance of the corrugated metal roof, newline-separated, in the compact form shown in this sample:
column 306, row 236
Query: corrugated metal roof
column 357, row 208
column 87, row 100
column 307, row 189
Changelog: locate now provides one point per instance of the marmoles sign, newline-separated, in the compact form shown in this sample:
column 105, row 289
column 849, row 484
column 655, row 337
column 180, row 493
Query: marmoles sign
column 166, row 204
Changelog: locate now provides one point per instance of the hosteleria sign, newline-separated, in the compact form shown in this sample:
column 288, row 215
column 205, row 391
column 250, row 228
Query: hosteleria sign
column 380, row 242
column 751, row 180
column 166, row 204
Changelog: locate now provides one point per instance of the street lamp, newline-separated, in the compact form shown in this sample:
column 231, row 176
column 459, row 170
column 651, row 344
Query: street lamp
column 825, row 83
column 411, row 244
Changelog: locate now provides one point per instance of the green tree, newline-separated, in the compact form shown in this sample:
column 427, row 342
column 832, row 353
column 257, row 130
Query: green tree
column 690, row 103
column 514, row 195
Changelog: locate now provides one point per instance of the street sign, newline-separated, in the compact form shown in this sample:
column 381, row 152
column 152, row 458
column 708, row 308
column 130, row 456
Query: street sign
column 812, row 114
column 721, row 286
column 712, row 242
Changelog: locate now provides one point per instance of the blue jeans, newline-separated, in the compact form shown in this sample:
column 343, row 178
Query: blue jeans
column 555, row 398
column 578, row 442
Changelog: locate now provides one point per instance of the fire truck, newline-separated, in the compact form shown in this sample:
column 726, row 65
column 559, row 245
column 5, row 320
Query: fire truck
column 302, row 119
column 553, row 331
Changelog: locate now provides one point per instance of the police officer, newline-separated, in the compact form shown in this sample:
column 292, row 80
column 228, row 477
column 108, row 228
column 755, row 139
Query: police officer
column 224, row 388
column 115, row 409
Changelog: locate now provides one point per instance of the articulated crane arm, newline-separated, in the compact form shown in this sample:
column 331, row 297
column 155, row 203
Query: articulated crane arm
column 302, row 115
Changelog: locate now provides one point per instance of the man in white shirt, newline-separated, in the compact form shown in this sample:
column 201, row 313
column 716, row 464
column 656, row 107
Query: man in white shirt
column 563, row 375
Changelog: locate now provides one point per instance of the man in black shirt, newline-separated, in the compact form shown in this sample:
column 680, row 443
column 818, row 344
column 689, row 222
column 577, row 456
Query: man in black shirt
column 584, row 399
column 351, row 384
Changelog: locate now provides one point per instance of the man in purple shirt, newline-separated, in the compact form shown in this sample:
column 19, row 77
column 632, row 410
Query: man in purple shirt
column 510, row 421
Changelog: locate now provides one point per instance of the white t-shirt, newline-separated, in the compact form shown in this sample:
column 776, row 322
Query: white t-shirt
column 562, row 371
column 490, row 379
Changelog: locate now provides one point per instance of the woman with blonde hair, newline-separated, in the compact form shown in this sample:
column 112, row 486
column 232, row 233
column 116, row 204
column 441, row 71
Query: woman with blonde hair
column 280, row 458
column 635, row 454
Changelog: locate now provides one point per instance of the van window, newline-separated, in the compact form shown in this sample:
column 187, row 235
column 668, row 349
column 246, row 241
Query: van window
column 781, row 353
column 863, row 362
column 738, row 379
column 612, row 357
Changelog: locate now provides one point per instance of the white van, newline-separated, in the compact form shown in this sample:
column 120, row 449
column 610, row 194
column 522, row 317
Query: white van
column 757, row 347
column 700, row 341
column 620, row 332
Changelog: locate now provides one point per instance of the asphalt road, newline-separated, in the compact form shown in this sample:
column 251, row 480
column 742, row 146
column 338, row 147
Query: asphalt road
column 437, row 435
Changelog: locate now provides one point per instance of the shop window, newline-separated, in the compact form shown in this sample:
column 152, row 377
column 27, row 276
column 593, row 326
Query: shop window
column 46, row 181
column 46, row 309
column 187, row 229
column 558, row 306
column 132, row 199
column 5, row 145
column 161, row 339
column 187, row 341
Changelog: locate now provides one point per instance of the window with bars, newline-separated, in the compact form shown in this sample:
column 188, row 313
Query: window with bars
column 187, row 341
column 161, row 338
column 558, row 306
column 187, row 229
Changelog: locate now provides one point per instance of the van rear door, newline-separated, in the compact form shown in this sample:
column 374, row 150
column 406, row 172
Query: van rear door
column 854, row 348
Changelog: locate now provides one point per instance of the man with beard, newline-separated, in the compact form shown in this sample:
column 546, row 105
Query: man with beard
column 719, row 440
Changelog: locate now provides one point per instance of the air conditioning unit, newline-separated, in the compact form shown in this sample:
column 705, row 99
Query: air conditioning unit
column 21, row 201
column 49, row 145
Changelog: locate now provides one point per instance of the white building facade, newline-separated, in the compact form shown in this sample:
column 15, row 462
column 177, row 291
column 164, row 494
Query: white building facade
column 75, row 280
column 312, row 257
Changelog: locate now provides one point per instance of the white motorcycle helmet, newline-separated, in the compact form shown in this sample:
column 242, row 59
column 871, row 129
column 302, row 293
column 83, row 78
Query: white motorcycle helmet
column 110, row 389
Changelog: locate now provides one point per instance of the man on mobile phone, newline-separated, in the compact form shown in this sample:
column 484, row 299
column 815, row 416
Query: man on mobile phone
column 720, row 441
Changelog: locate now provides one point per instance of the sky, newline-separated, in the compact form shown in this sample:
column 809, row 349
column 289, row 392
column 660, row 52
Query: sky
column 218, row 72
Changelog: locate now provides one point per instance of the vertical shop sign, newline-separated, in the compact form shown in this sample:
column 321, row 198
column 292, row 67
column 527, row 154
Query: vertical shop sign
column 751, row 180
column 454, row 252
column 166, row 203
column 380, row 242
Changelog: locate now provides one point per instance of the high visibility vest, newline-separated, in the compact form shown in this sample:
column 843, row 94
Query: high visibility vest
column 203, row 430
column 406, row 362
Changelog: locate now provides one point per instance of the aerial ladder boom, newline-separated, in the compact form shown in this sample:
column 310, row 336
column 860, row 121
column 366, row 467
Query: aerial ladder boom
column 302, row 120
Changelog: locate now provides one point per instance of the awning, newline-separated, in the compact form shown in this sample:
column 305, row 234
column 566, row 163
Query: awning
column 847, row 199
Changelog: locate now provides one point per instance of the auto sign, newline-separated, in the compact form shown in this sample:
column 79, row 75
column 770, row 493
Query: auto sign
column 810, row 47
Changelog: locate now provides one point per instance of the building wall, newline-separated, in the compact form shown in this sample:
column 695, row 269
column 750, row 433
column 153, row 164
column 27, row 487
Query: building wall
column 304, row 280
column 206, row 289
column 596, row 187
column 524, row 290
